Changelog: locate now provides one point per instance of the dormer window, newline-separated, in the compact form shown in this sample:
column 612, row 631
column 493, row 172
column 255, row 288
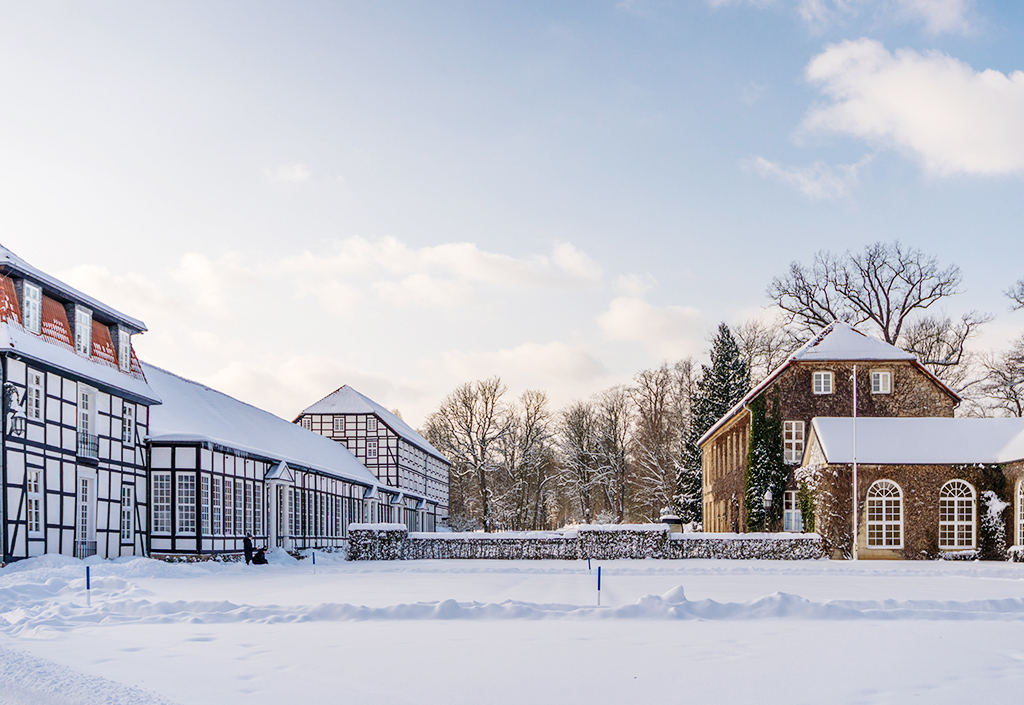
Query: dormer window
column 32, row 308
column 83, row 331
column 124, row 349
column 822, row 382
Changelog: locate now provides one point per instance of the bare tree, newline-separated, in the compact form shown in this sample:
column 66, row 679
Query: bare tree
column 527, row 462
column 884, row 285
column 614, row 427
column 1016, row 294
column 1004, row 380
column 765, row 345
column 940, row 343
column 468, row 428
column 578, row 442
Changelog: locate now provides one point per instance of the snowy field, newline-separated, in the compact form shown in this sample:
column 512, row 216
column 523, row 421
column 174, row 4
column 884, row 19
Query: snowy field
column 457, row 632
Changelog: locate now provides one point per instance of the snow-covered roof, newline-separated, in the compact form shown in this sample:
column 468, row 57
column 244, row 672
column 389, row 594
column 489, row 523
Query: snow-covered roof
column 836, row 341
column 14, row 338
column 192, row 412
column 920, row 441
column 347, row 400
column 10, row 260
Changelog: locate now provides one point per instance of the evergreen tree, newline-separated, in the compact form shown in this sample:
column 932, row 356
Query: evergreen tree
column 721, row 386
column 766, row 466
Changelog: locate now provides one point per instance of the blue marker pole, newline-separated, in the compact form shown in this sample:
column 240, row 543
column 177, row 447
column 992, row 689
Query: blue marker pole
column 598, row 586
column 88, row 586
column 314, row 562
column 588, row 563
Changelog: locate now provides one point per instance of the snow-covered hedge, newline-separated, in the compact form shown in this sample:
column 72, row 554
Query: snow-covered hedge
column 393, row 542
column 376, row 542
column 776, row 547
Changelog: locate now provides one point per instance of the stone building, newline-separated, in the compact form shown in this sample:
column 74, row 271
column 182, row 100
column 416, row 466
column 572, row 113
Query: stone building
column 816, row 381
column 920, row 483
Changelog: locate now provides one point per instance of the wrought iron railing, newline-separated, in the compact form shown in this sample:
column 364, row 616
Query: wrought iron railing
column 84, row 549
column 88, row 445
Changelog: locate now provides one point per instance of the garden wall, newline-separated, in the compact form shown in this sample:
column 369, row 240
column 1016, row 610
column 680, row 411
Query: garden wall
column 369, row 542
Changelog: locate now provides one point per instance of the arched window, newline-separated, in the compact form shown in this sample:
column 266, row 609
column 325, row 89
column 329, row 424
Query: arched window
column 956, row 515
column 885, row 515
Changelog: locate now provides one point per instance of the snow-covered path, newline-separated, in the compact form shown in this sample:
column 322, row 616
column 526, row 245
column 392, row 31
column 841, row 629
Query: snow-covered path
column 497, row 632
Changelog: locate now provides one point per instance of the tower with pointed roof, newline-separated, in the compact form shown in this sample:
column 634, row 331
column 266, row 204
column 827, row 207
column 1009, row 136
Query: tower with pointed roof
column 392, row 450
column 816, row 381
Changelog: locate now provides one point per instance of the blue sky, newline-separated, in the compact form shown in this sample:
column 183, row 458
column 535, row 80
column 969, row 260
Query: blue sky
column 404, row 196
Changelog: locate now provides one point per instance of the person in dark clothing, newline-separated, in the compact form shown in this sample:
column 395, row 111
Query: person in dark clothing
column 247, row 547
column 260, row 557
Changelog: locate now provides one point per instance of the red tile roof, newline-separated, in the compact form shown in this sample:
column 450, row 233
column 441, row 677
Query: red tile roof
column 9, row 308
column 55, row 323
column 103, row 344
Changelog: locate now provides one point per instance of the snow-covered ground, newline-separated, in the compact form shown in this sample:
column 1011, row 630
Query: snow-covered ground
column 510, row 632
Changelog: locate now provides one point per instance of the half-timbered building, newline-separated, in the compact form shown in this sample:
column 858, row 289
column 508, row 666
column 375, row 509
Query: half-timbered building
column 397, row 455
column 75, row 410
column 816, row 381
column 221, row 468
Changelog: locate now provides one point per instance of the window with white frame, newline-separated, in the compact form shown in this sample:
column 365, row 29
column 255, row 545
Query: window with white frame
column 229, row 506
column 881, row 382
column 83, row 331
column 956, row 515
column 186, row 503
column 258, row 510
column 161, row 498
column 34, row 396
column 339, row 425
column 793, row 441
column 204, row 504
column 792, row 518
column 371, row 424
column 239, row 506
column 127, row 509
column 124, row 349
column 306, row 423
column 371, row 448
column 1020, row 512
column 823, row 382
column 248, row 506
column 34, row 501
column 885, row 515
column 32, row 308
column 216, row 508
column 128, row 424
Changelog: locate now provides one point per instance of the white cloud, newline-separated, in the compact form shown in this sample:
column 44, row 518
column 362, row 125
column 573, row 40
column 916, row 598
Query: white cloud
column 952, row 118
column 422, row 290
column 937, row 16
column 529, row 364
column 818, row 181
column 288, row 174
column 669, row 332
column 634, row 284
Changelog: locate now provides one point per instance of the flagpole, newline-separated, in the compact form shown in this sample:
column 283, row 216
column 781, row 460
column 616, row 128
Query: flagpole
column 854, row 462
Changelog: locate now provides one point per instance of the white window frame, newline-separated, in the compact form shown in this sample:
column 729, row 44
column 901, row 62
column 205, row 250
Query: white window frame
column 35, row 401
column 339, row 425
column 306, row 423
column 34, row 502
column 229, row 506
column 204, row 505
column 793, row 439
column 249, row 514
column 217, row 507
column 83, row 331
column 792, row 517
column 127, row 511
column 32, row 307
column 128, row 424
column 239, row 502
column 372, row 449
column 86, row 409
column 186, row 514
column 822, row 382
column 258, row 510
column 884, row 515
column 1020, row 512
column 958, row 511
column 881, row 382
column 124, row 349
column 371, row 424
column 161, row 502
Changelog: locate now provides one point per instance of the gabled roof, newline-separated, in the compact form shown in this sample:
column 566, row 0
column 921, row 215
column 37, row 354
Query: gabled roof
column 920, row 441
column 347, row 400
column 193, row 412
column 836, row 341
column 11, row 261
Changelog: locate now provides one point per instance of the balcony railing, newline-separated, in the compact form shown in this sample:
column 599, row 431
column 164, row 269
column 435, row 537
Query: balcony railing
column 88, row 445
column 84, row 549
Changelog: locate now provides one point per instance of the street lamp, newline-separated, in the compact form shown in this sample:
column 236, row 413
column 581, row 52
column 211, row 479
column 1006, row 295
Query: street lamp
column 767, row 503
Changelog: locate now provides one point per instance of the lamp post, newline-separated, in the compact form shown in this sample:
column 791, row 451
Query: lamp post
column 767, row 503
